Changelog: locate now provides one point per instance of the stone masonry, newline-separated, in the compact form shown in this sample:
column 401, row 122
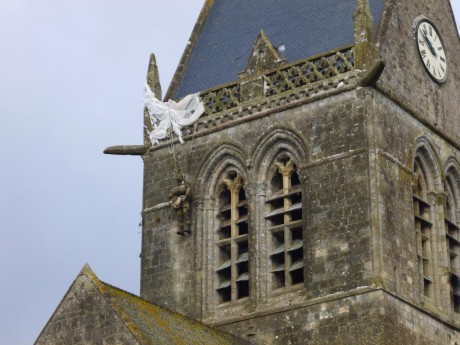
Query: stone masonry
column 353, row 134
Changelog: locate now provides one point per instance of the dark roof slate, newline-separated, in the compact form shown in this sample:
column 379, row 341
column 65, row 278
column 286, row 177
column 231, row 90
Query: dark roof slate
column 305, row 27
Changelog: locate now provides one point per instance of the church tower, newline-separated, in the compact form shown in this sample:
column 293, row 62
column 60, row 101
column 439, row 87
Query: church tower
column 319, row 193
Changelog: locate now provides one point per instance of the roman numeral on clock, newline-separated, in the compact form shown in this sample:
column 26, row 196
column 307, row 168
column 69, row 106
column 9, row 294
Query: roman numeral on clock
column 431, row 50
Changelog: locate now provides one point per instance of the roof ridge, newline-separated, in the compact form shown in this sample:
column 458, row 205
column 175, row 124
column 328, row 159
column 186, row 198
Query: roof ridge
column 153, row 304
column 103, row 289
column 86, row 270
column 107, row 291
column 188, row 51
column 137, row 332
column 147, row 323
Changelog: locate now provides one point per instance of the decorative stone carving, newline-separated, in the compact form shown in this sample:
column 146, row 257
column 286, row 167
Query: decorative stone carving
column 284, row 79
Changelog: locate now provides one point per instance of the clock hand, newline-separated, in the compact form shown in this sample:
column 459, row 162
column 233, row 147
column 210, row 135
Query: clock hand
column 425, row 36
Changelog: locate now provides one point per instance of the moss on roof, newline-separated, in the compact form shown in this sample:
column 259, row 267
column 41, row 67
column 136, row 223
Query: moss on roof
column 152, row 324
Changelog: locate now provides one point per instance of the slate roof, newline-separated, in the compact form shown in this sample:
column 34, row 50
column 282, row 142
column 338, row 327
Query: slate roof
column 306, row 28
column 152, row 324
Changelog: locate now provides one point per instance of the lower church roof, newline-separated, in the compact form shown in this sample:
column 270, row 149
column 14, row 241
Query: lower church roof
column 144, row 322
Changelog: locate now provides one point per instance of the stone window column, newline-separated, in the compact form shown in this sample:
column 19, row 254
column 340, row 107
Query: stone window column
column 256, row 193
column 205, row 225
column 438, row 247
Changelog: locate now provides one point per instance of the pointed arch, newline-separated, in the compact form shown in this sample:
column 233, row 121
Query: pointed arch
column 224, row 223
column 276, row 160
column 221, row 160
column 427, row 182
column 277, row 142
column 427, row 162
column 452, row 174
column 452, row 229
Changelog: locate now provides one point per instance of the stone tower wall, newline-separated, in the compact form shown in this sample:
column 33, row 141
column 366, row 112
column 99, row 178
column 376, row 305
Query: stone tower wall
column 398, row 135
column 333, row 162
column 356, row 171
column 405, row 79
column 354, row 143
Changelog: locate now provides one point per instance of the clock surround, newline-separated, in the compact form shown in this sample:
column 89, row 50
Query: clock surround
column 431, row 49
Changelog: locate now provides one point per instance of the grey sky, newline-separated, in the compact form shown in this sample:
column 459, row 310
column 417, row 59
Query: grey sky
column 71, row 79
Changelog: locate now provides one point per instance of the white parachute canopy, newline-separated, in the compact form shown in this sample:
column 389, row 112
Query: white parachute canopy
column 166, row 115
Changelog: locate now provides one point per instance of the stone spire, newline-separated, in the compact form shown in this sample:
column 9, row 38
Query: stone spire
column 153, row 81
column 365, row 50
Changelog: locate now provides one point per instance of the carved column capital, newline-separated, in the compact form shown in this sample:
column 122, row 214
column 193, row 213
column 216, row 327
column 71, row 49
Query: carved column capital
column 438, row 198
column 285, row 169
column 234, row 185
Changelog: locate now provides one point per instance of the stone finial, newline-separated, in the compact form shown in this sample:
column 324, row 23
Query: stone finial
column 365, row 50
column 153, row 81
column 153, row 77
column 87, row 271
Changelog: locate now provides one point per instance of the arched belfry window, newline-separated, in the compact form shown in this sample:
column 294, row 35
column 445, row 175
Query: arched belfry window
column 284, row 218
column 453, row 239
column 232, row 240
column 423, row 228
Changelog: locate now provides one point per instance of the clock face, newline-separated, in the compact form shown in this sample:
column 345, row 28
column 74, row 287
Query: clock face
column 431, row 50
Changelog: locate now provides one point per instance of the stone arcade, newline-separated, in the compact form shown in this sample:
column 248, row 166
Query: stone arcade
column 324, row 185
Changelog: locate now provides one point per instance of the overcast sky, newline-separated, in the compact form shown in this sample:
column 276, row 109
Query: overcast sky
column 71, row 79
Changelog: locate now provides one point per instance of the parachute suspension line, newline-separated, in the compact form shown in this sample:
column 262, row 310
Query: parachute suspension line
column 172, row 150
column 190, row 151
